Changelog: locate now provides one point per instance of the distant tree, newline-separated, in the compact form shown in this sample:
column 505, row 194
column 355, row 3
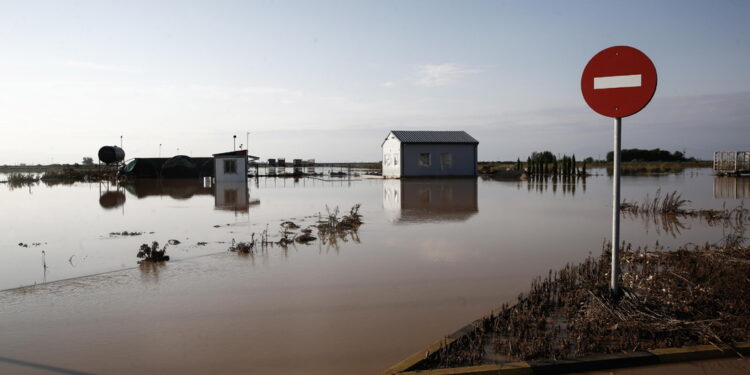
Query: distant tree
column 544, row 156
column 573, row 164
column 564, row 165
column 87, row 160
column 528, row 165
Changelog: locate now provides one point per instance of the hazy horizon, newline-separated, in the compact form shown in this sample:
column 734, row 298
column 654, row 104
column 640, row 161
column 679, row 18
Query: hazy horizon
column 329, row 80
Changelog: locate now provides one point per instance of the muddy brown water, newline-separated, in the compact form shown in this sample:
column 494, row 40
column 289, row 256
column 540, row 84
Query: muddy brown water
column 433, row 255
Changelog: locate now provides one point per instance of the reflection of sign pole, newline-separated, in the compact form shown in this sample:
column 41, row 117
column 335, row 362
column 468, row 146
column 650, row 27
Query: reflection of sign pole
column 618, row 82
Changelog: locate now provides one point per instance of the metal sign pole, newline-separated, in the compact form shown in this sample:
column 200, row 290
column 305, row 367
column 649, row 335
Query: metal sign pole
column 615, row 284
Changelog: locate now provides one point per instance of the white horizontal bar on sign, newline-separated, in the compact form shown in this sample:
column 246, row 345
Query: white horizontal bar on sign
column 616, row 82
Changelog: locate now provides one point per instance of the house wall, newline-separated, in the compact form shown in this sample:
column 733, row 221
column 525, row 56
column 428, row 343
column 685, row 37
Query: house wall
column 392, row 157
column 463, row 163
column 241, row 170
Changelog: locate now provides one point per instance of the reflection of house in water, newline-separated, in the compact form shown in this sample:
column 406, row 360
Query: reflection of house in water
column 233, row 196
column 731, row 187
column 430, row 200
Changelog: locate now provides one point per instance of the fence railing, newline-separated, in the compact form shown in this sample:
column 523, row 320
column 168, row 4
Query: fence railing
column 732, row 161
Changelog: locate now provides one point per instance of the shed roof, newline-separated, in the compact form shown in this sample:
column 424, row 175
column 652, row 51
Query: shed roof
column 433, row 136
column 236, row 153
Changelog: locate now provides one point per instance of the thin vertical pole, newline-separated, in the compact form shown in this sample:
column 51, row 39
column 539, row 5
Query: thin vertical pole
column 615, row 284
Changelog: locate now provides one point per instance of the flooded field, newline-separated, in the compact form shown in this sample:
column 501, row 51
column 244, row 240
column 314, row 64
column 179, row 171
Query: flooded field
column 431, row 256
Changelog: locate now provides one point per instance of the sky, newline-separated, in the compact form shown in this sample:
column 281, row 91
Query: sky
column 328, row 79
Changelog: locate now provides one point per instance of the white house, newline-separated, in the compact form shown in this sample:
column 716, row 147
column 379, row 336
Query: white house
column 429, row 154
column 230, row 166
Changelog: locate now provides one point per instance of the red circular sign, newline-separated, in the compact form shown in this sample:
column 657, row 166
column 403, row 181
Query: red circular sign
column 618, row 81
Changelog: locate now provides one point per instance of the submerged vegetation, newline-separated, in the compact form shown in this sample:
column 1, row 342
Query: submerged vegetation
column 670, row 204
column 125, row 233
column 19, row 180
column 23, row 176
column 668, row 214
column 243, row 247
column 331, row 228
column 689, row 296
column 152, row 253
column 673, row 206
column 79, row 174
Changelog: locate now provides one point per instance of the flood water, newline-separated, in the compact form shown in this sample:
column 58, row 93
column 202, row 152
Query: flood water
column 432, row 256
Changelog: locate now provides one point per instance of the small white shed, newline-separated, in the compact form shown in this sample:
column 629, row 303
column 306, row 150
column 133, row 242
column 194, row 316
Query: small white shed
column 429, row 154
column 230, row 166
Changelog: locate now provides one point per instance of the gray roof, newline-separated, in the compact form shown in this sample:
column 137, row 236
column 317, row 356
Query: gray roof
column 433, row 136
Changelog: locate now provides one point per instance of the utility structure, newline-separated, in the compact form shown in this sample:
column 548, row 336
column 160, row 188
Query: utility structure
column 618, row 82
column 731, row 162
column 230, row 166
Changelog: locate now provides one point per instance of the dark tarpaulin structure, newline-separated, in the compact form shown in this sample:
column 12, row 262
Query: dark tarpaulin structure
column 180, row 166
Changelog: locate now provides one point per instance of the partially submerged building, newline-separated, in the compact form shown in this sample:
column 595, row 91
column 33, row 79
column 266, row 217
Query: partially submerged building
column 227, row 166
column 179, row 166
column 429, row 154
column 231, row 166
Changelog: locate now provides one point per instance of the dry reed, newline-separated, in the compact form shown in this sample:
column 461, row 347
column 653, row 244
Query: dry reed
column 690, row 296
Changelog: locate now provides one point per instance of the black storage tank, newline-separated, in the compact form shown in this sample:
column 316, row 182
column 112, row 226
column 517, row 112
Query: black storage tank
column 111, row 154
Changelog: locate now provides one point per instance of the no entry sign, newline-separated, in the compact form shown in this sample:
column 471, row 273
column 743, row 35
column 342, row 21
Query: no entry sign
column 618, row 81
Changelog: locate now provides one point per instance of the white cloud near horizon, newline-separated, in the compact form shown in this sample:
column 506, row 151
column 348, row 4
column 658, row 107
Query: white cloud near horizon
column 332, row 126
column 433, row 75
column 101, row 67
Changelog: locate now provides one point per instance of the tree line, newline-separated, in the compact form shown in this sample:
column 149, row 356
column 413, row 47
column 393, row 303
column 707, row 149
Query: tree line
column 636, row 154
column 545, row 163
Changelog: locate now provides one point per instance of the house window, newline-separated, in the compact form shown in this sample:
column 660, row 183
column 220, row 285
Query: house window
column 387, row 160
column 424, row 159
column 395, row 159
column 230, row 166
column 446, row 160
